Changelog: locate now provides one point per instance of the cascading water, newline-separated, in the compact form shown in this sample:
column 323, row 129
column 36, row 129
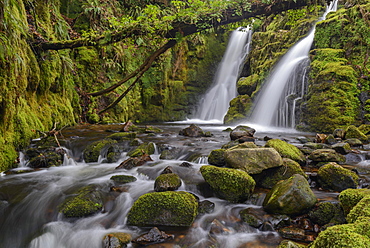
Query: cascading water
column 275, row 105
column 214, row 104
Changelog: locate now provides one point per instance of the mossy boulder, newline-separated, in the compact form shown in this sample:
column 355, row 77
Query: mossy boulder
column 360, row 210
column 247, row 85
column 116, row 240
column 239, row 108
column 192, row 131
column 287, row 150
column 145, row 148
column 334, row 177
column 268, row 178
column 244, row 145
column 216, row 157
column 122, row 136
column 167, row 182
column 229, row 184
column 171, row 208
column 242, row 131
column 342, row 148
column 354, row 142
column 122, row 179
column 326, row 155
column 47, row 158
column 352, row 132
column 82, row 203
column 327, row 212
column 350, row 197
column 290, row 244
column 106, row 148
column 253, row 160
column 292, row 196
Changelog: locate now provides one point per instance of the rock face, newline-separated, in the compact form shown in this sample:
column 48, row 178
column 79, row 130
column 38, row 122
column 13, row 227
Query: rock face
column 230, row 184
column 192, row 131
column 287, row 150
column 167, row 182
column 326, row 155
column 171, row 209
column 334, row 177
column 253, row 160
column 242, row 131
column 291, row 196
column 116, row 240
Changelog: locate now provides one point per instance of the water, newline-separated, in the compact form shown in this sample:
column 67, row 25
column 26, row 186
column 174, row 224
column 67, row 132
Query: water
column 215, row 103
column 276, row 102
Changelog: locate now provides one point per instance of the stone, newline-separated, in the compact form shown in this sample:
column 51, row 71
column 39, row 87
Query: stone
column 206, row 207
column 116, row 240
column 192, row 131
column 327, row 212
column 326, row 155
column 350, row 197
column 290, row 244
column 229, row 184
column 253, row 160
column 354, row 142
column 216, row 157
column 287, row 150
column 342, row 148
column 106, row 148
column 145, row 148
column 123, row 179
column 334, row 177
column 154, row 236
column 167, row 182
column 122, row 136
column 339, row 133
column 253, row 217
column 241, row 131
column 360, row 210
column 292, row 196
column 134, row 162
column 47, row 158
column 352, row 132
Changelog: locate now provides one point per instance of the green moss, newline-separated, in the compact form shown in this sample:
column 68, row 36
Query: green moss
column 216, row 157
column 145, row 148
column 165, row 182
column 239, row 109
column 327, row 212
column 335, row 177
column 170, row 209
column 361, row 209
column 96, row 149
column 123, row 179
column 287, row 150
column 116, row 240
column 290, row 244
column 230, row 184
column 122, row 136
column 350, row 197
column 352, row 132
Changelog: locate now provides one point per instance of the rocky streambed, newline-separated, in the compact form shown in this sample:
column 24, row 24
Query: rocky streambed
column 175, row 185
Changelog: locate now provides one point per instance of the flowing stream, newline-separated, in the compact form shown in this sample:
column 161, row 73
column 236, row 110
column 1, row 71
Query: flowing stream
column 214, row 104
column 276, row 102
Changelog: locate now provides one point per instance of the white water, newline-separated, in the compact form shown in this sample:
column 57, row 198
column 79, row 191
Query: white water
column 214, row 104
column 275, row 105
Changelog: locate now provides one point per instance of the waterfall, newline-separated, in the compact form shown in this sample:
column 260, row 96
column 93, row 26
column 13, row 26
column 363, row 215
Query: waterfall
column 276, row 102
column 215, row 103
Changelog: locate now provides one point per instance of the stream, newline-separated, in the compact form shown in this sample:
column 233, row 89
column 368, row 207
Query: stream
column 29, row 215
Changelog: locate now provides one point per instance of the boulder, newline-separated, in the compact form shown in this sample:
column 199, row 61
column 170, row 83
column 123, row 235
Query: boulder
column 171, row 208
column 292, row 196
column 134, row 162
column 243, row 145
column 82, row 203
column 342, row 148
column 269, row 177
column 216, row 157
column 206, row 207
column 192, row 131
column 122, row 179
column 167, row 182
column 339, row 133
column 242, row 131
column 290, row 244
column 154, row 236
column 287, row 150
column 350, row 197
column 327, row 212
column 116, row 240
column 360, row 210
column 332, row 176
column 352, row 132
column 247, row 85
column 354, row 142
column 315, row 146
column 253, row 160
column 326, row 155
column 145, row 148
column 47, row 158
column 105, row 148
column 229, row 184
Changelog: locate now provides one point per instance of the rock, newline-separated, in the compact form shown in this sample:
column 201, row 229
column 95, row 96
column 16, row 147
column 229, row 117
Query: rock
column 352, row 132
column 145, row 148
column 244, row 145
column 339, row 133
column 334, row 177
column 247, row 85
column 230, row 144
column 170, row 209
column 167, row 170
column 229, row 184
column 350, row 197
column 218, row 228
column 47, row 158
column 116, row 240
column 321, row 138
column 122, row 136
column 293, row 233
column 287, row 150
column 122, row 179
column 170, row 154
column 360, row 210
column 154, row 236
column 186, row 164
column 354, row 142
column 206, row 207
column 84, row 202
column 167, row 182
column 106, row 148
column 253, row 160
column 303, row 139
column 216, row 157
column 330, row 139
column 315, row 146
column 242, row 131
column 269, row 177
column 291, row 196
column 327, row 212
column 326, row 155
column 253, row 217
column 290, row 244
column 127, row 126
column 134, row 162
column 342, row 148
column 192, row 131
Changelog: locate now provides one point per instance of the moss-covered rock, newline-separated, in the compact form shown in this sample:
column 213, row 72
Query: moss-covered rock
column 216, row 157
column 239, row 109
column 230, row 184
column 104, row 148
column 290, row 244
column 122, row 179
column 268, row 178
column 241, row 131
column 253, row 160
column 342, row 148
column 116, row 240
column 352, row 132
column 83, row 202
column 122, row 136
column 167, row 182
column 170, row 209
column 327, row 212
column 292, row 196
column 326, row 155
column 350, row 197
column 334, row 177
column 145, row 148
column 361, row 209
column 287, row 150
column 247, row 85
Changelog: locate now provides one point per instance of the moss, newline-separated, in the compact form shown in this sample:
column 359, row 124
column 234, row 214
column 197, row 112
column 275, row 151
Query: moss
column 290, row 244
column 166, row 182
column 239, row 109
column 122, row 136
column 230, row 184
column 335, row 177
column 216, row 157
column 361, row 209
column 98, row 148
column 327, row 212
column 145, row 148
column 286, row 150
column 170, row 209
column 122, row 179
column 247, row 85
column 350, row 197
column 352, row 132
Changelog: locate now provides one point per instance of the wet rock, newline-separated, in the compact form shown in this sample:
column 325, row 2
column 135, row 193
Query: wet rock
column 242, row 131
column 327, row 212
column 186, row 164
column 303, row 139
column 216, row 157
column 116, row 240
column 253, row 216
column 243, row 145
column 171, row 209
column 291, row 196
column 342, row 148
column 320, row 138
column 82, row 203
column 218, row 228
column 354, row 142
column 269, row 177
column 334, row 177
column 167, row 182
column 360, row 210
column 192, row 131
column 326, row 155
column 150, row 129
column 290, row 244
column 167, row 170
column 350, row 197
column 315, row 146
column 123, row 179
column 134, row 162
column 230, row 144
column 229, row 184
column 253, row 160
column 145, row 148
column 127, row 126
column 170, row 154
column 106, row 148
column 206, row 207
column 154, row 236
column 122, row 136
column 293, row 233
column 47, row 158
column 330, row 140
column 339, row 133
column 352, row 132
